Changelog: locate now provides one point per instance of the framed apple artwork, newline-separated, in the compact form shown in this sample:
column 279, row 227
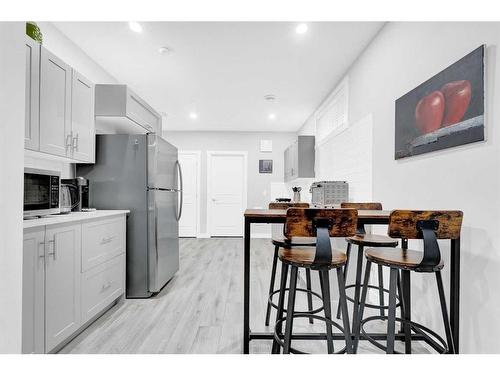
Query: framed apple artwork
column 444, row 111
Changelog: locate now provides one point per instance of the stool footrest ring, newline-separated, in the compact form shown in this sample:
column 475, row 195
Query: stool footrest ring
column 369, row 305
column 279, row 322
column 315, row 311
column 429, row 334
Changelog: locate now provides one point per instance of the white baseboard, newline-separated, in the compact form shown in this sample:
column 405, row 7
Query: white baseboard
column 203, row 235
column 261, row 235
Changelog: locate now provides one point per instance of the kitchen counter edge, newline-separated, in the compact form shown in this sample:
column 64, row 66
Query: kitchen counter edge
column 72, row 217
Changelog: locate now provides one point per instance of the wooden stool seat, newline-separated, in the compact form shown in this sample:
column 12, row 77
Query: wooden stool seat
column 281, row 240
column 304, row 257
column 397, row 258
column 373, row 240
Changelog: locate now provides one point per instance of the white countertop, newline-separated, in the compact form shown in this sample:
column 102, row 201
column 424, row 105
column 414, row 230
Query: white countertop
column 73, row 216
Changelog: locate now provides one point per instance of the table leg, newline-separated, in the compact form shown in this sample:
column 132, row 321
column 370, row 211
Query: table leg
column 246, row 289
column 455, row 292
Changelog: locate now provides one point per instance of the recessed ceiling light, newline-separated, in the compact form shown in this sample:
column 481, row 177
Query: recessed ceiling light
column 135, row 26
column 272, row 116
column 301, row 28
column 193, row 115
column 164, row 50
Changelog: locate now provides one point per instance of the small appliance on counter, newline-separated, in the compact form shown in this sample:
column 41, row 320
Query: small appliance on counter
column 79, row 193
column 41, row 192
column 296, row 193
column 65, row 199
column 329, row 193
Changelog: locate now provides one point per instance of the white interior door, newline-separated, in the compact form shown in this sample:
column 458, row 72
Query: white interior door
column 190, row 164
column 227, row 192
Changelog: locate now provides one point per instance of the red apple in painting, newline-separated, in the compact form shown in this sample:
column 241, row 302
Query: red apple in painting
column 429, row 112
column 457, row 96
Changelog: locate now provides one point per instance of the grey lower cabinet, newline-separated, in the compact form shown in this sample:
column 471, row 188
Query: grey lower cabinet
column 299, row 158
column 33, row 317
column 62, row 283
column 60, row 295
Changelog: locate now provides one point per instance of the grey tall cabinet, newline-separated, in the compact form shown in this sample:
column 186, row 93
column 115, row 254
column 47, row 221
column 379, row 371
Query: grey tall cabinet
column 299, row 158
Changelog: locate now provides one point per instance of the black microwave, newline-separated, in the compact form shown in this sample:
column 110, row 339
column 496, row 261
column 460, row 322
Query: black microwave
column 41, row 192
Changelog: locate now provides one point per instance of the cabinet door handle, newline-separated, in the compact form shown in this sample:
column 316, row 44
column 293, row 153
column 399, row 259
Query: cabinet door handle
column 42, row 255
column 106, row 286
column 53, row 253
column 106, row 240
column 69, row 138
column 76, row 142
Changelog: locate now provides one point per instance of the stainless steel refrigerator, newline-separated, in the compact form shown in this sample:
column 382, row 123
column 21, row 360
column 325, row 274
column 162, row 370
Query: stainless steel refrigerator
column 141, row 173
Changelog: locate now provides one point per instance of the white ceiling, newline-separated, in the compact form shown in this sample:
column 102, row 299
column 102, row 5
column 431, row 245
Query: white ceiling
column 222, row 70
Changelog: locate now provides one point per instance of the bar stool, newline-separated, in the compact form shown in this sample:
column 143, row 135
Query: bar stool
column 279, row 240
column 322, row 224
column 362, row 239
column 428, row 226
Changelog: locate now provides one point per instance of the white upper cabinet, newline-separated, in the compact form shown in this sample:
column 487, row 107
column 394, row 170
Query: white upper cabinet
column 299, row 158
column 59, row 107
column 119, row 110
column 31, row 131
column 82, row 119
column 55, row 105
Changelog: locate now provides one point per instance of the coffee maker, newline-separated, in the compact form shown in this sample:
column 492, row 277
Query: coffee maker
column 79, row 192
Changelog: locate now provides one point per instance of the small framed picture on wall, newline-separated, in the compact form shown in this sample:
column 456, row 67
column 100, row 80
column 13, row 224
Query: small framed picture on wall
column 265, row 166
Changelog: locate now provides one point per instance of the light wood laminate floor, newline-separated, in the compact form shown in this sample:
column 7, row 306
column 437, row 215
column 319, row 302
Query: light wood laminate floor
column 200, row 310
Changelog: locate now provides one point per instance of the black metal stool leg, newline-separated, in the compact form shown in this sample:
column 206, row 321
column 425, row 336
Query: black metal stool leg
column 281, row 303
column 345, row 314
column 444, row 310
column 346, row 267
column 401, row 303
column 391, row 314
column 290, row 309
column 381, row 289
column 271, row 284
column 357, row 323
column 407, row 308
column 309, row 295
column 357, row 288
column 328, row 309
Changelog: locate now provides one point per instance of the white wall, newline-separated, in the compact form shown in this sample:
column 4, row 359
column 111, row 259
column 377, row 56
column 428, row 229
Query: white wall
column 56, row 42
column 259, row 185
column 12, row 74
column 402, row 56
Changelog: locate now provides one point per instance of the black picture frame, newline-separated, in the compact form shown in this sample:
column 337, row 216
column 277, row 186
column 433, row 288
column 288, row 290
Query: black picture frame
column 265, row 166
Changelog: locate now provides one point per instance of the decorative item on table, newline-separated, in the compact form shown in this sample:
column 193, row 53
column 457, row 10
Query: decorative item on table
column 33, row 31
column 444, row 111
column 296, row 193
column 329, row 193
column 265, row 166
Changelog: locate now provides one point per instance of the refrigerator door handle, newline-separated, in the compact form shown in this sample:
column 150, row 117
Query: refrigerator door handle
column 156, row 233
column 181, row 190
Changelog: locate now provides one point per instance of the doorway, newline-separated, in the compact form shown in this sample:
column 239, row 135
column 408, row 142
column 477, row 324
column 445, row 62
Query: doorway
column 189, row 222
column 226, row 192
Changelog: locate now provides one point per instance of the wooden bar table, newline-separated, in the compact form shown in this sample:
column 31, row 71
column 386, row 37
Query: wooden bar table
column 366, row 217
